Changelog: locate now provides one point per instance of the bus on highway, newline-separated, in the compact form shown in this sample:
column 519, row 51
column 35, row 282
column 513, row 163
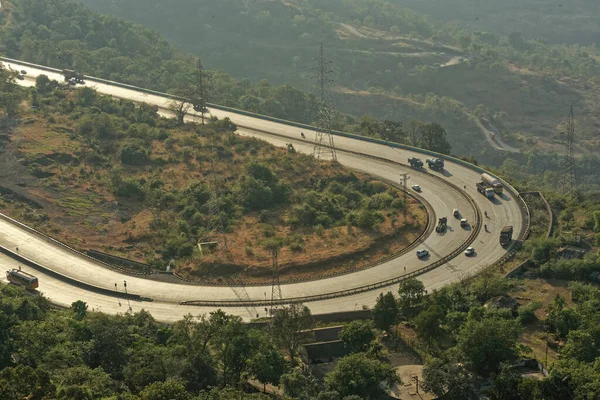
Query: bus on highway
column 22, row 278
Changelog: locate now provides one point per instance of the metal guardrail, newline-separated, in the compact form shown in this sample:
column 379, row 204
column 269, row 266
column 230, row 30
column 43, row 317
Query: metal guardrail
column 51, row 272
column 522, row 204
column 71, row 281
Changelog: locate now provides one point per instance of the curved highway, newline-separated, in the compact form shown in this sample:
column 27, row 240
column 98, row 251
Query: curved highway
column 442, row 197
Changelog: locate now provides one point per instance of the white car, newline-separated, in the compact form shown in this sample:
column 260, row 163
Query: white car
column 469, row 251
column 416, row 188
column 422, row 253
column 464, row 222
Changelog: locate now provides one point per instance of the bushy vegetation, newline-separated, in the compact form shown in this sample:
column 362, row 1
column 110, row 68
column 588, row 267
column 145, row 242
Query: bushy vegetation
column 47, row 354
column 394, row 63
column 107, row 47
column 161, row 172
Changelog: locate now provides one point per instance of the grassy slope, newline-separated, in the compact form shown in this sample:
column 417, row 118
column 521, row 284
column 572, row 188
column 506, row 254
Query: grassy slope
column 388, row 63
column 83, row 209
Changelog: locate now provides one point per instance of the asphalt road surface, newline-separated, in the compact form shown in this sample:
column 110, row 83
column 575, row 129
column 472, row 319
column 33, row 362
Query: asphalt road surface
column 443, row 198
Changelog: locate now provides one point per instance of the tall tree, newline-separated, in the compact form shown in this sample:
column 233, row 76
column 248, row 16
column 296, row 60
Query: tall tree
column 288, row 327
column 489, row 342
column 267, row 365
column 385, row 312
column 433, row 137
column 359, row 375
column 411, row 295
column 358, row 336
column 449, row 380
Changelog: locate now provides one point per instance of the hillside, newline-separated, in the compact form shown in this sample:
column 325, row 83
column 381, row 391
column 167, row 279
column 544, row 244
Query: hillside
column 113, row 176
column 556, row 21
column 390, row 72
column 393, row 63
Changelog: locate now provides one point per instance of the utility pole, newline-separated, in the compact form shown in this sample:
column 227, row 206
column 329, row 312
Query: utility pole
column 405, row 177
column 199, row 101
column 324, row 144
column 128, row 302
column 416, row 378
column 275, row 286
column 569, row 178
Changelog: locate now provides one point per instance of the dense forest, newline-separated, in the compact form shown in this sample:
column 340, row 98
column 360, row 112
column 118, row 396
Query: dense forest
column 394, row 63
column 553, row 20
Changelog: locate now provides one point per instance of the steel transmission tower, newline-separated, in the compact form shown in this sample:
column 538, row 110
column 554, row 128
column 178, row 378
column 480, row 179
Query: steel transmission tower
column 324, row 145
column 216, row 235
column 569, row 178
column 275, row 286
column 199, row 101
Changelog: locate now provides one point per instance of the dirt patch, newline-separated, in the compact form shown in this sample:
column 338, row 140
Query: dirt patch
column 45, row 165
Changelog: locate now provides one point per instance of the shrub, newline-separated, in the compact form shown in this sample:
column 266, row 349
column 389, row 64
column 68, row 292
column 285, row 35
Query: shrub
column 131, row 189
column 132, row 154
column 527, row 312
column 398, row 204
column 380, row 201
column 296, row 247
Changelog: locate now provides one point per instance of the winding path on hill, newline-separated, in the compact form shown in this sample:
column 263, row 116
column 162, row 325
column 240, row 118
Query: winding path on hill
column 455, row 188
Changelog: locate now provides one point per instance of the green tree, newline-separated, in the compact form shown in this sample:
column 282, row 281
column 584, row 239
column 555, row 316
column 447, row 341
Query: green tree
column 234, row 347
column 108, row 333
column 433, row 137
column 596, row 216
column 198, row 370
column 411, row 296
column 24, row 382
column 267, row 364
column 44, row 85
column 84, row 383
column 385, row 312
column 489, row 342
column 79, row 308
column 147, row 363
column 580, row 346
column 509, row 384
column 288, row 328
column 358, row 336
column 449, row 380
column 299, row 384
column 428, row 326
column 561, row 319
column 170, row 389
column 360, row 375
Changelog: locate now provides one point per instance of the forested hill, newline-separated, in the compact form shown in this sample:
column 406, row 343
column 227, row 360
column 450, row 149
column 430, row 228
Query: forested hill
column 394, row 63
column 558, row 21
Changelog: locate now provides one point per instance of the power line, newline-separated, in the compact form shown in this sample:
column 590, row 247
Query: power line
column 324, row 145
column 199, row 101
column 569, row 177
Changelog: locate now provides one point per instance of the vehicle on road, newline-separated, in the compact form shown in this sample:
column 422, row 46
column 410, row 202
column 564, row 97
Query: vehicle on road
column 492, row 182
column 469, row 251
column 436, row 164
column 415, row 162
column 456, row 213
column 72, row 76
column 506, row 235
column 22, row 278
column 23, row 72
column 442, row 225
column 422, row 253
column 416, row 188
column 20, row 77
column 464, row 222
column 485, row 190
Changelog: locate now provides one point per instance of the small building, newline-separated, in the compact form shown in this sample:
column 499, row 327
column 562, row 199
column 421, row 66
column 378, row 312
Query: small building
column 570, row 252
column 500, row 302
column 323, row 352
